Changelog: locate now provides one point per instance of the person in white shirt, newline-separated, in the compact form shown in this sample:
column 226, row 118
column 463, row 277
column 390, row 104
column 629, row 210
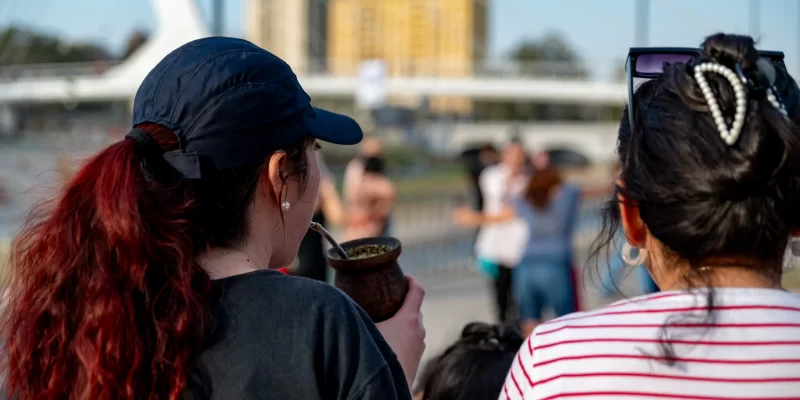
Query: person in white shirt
column 709, row 194
column 500, row 185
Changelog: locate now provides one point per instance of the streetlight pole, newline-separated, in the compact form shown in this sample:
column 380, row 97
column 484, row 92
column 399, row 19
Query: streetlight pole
column 642, row 23
column 755, row 18
column 218, row 16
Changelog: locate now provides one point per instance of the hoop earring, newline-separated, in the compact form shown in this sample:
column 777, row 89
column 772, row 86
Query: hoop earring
column 795, row 245
column 628, row 259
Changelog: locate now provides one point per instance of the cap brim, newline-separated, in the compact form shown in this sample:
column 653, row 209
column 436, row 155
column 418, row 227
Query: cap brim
column 334, row 128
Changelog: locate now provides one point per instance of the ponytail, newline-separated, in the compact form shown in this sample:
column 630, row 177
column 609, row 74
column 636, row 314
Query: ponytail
column 105, row 298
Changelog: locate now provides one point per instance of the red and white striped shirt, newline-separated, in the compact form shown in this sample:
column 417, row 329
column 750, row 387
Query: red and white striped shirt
column 752, row 351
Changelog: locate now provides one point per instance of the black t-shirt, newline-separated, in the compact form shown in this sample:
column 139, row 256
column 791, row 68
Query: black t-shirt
column 282, row 337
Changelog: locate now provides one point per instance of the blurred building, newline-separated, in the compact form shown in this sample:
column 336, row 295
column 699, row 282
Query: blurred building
column 295, row 30
column 413, row 37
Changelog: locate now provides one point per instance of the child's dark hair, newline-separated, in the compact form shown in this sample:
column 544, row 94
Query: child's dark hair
column 374, row 165
column 703, row 199
column 474, row 367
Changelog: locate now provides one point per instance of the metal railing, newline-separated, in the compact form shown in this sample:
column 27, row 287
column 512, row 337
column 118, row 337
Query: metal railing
column 432, row 243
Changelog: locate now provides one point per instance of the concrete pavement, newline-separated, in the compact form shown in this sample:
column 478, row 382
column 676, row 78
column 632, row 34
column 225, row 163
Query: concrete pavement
column 453, row 301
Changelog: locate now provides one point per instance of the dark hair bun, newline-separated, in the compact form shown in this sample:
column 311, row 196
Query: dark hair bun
column 699, row 196
column 729, row 50
column 374, row 164
column 500, row 337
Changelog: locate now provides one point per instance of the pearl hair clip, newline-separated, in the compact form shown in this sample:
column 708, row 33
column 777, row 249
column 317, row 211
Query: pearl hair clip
column 730, row 134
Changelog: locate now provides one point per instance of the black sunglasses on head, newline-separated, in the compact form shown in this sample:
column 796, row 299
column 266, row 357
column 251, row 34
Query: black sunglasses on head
column 648, row 63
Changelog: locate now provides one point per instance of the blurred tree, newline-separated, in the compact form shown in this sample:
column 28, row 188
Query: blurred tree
column 23, row 46
column 137, row 39
column 551, row 55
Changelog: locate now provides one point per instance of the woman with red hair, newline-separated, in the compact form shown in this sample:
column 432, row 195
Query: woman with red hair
column 153, row 275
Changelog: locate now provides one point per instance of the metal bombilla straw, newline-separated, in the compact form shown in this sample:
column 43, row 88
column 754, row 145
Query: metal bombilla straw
column 316, row 226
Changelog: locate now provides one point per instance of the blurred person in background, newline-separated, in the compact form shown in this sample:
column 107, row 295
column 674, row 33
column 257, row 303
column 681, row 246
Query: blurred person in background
column 5, row 198
column 354, row 174
column 501, row 185
column 354, row 171
column 5, row 185
column 152, row 275
column 475, row 161
column 541, row 161
column 474, row 367
column 371, row 208
column 311, row 262
column 616, row 264
column 487, row 157
column 708, row 202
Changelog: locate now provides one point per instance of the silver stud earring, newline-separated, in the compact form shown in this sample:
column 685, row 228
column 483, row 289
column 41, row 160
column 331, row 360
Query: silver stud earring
column 627, row 249
column 286, row 206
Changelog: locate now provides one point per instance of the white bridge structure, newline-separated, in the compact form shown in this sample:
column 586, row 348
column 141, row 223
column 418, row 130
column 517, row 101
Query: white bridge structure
column 179, row 22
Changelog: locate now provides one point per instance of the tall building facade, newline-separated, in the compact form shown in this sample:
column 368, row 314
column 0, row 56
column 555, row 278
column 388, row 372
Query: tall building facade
column 295, row 30
column 413, row 37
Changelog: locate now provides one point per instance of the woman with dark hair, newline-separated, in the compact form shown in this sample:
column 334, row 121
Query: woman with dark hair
column 474, row 367
column 152, row 276
column 709, row 194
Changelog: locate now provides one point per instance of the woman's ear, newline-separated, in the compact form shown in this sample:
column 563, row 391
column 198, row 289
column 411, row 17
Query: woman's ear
column 632, row 224
column 274, row 174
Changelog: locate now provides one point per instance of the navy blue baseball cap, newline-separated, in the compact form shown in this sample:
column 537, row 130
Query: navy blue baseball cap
column 230, row 102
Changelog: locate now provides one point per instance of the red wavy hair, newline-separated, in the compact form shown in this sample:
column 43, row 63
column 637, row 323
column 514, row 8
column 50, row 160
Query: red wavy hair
column 105, row 298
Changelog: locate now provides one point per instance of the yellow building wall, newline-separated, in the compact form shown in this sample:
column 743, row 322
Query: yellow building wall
column 281, row 27
column 414, row 37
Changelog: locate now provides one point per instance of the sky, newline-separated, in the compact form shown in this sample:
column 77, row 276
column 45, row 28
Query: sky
column 600, row 30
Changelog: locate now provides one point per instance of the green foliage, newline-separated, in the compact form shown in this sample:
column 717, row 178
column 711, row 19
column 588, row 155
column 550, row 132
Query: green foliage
column 551, row 48
column 136, row 40
column 23, row 46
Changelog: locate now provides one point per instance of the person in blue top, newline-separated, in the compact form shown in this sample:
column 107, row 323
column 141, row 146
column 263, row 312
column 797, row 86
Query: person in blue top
column 543, row 277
